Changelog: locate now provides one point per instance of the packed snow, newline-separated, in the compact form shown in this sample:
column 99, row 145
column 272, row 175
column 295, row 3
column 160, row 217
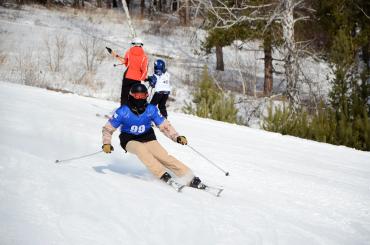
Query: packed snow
column 281, row 189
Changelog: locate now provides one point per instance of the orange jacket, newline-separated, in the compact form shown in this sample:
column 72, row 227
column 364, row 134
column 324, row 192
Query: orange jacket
column 136, row 62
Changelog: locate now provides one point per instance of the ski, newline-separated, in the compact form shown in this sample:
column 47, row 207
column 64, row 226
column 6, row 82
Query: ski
column 215, row 191
column 177, row 186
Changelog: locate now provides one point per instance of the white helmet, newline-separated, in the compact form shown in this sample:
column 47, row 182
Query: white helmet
column 137, row 42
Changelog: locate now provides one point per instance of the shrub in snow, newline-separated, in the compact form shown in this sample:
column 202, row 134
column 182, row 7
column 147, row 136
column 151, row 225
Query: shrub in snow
column 211, row 102
column 324, row 125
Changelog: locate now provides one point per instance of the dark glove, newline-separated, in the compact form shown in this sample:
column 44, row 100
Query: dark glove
column 152, row 81
column 107, row 148
column 109, row 50
column 182, row 140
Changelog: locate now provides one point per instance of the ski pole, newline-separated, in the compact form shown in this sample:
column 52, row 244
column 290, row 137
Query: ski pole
column 151, row 92
column 79, row 157
column 214, row 164
column 114, row 65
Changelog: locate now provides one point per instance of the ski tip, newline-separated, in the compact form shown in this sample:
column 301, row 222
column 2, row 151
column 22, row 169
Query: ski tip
column 180, row 188
column 227, row 173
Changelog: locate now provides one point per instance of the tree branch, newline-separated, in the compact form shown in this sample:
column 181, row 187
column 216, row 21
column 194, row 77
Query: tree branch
column 362, row 11
column 301, row 18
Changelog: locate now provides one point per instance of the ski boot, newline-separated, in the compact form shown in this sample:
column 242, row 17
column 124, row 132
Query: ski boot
column 197, row 183
column 166, row 177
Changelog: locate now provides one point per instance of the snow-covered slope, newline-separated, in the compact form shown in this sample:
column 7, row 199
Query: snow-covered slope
column 281, row 190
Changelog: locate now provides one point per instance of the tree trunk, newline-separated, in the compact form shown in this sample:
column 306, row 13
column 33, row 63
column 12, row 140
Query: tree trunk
column 115, row 4
column 142, row 8
column 176, row 5
column 76, row 3
column 125, row 8
column 187, row 12
column 290, row 66
column 219, row 58
column 151, row 10
column 169, row 6
column 160, row 6
column 268, row 82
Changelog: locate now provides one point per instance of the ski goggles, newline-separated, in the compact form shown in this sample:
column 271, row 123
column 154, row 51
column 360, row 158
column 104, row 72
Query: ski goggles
column 139, row 96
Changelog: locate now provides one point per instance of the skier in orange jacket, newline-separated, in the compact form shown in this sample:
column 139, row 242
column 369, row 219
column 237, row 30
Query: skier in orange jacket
column 136, row 62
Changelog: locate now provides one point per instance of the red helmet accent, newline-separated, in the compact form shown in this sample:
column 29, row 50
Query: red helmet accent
column 139, row 95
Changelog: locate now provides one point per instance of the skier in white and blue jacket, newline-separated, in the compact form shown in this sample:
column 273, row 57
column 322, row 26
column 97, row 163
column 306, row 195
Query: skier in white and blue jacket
column 160, row 81
column 138, row 137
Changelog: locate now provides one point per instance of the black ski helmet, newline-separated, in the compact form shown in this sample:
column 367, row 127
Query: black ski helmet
column 137, row 98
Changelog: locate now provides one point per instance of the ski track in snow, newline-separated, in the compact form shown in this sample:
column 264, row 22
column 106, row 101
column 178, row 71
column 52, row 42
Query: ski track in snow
column 281, row 189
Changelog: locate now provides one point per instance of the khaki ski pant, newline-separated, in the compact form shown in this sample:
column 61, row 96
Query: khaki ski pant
column 156, row 158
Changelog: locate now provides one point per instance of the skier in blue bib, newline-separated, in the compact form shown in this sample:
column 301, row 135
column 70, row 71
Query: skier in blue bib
column 138, row 137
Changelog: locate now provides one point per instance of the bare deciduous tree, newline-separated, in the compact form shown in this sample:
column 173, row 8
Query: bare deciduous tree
column 55, row 51
column 28, row 65
column 91, row 51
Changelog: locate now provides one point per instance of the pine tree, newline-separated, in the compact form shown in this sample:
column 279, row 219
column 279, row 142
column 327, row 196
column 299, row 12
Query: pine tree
column 347, row 47
column 210, row 102
column 220, row 38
